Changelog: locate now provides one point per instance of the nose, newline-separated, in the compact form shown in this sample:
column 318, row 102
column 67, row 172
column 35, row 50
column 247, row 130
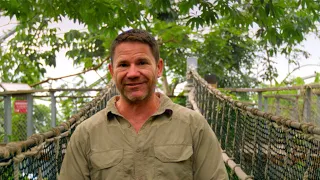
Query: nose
column 133, row 72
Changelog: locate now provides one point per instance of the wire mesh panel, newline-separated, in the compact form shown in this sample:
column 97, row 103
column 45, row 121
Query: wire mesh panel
column 239, row 136
column 7, row 170
column 313, row 168
column 248, row 148
column 218, row 121
column 28, row 167
column 299, row 107
column 230, row 130
column 262, row 147
column 48, row 161
column 62, row 151
column 299, row 103
column 232, row 175
column 276, row 166
column 2, row 131
column 19, row 127
column 41, row 116
column 224, row 125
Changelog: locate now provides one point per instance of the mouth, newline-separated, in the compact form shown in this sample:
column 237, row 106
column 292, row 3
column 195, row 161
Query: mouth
column 134, row 84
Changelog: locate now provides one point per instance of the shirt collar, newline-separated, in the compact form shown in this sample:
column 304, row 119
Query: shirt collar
column 166, row 106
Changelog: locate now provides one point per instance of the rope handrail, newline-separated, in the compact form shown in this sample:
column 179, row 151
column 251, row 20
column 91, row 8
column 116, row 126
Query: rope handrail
column 312, row 86
column 305, row 127
column 21, row 92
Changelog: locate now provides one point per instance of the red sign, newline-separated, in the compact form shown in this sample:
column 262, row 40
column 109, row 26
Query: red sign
column 20, row 106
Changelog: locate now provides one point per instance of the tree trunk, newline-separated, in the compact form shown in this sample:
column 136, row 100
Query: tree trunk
column 165, row 84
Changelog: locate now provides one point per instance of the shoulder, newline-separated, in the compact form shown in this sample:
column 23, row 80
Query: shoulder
column 92, row 122
column 187, row 115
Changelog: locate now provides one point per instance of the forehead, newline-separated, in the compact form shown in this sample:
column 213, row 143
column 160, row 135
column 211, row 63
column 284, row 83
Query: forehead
column 132, row 49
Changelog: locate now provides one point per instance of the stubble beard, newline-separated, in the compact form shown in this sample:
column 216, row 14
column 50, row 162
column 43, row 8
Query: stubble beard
column 149, row 91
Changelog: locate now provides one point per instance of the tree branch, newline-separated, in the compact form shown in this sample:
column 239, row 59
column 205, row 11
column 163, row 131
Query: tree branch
column 70, row 75
column 7, row 35
column 102, row 78
column 297, row 68
column 165, row 84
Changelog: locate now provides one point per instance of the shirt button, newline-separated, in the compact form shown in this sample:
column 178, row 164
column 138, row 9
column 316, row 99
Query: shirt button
column 128, row 171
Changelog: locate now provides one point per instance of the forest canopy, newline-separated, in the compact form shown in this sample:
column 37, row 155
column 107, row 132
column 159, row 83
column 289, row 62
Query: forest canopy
column 229, row 37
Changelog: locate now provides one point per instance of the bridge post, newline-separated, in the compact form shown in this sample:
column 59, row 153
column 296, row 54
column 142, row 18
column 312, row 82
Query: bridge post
column 53, row 109
column 265, row 104
column 29, row 115
column 260, row 101
column 318, row 111
column 277, row 106
column 7, row 118
column 307, row 105
column 187, row 89
column 192, row 64
column 296, row 109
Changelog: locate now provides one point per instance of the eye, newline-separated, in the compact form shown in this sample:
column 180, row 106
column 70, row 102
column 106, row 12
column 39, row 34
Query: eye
column 122, row 65
column 143, row 62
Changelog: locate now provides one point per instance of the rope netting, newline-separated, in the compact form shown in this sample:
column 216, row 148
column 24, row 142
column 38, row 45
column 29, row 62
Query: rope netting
column 256, row 144
column 41, row 155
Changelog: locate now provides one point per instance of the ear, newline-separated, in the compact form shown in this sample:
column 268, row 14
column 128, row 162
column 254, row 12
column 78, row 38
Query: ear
column 160, row 67
column 110, row 69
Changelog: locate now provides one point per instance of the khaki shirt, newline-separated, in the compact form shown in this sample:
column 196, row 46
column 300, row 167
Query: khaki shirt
column 174, row 143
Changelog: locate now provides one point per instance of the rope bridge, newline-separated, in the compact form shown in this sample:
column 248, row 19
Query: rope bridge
column 255, row 144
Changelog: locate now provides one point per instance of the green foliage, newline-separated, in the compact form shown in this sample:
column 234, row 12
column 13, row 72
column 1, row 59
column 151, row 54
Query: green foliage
column 70, row 106
column 19, row 127
column 229, row 53
column 33, row 46
column 227, row 50
column 298, row 81
column 317, row 78
column 1, row 137
column 232, row 175
column 85, row 48
column 41, row 118
column 182, row 100
column 291, row 102
column 175, row 46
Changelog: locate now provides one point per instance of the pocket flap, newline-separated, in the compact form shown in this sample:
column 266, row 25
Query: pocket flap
column 173, row 153
column 106, row 159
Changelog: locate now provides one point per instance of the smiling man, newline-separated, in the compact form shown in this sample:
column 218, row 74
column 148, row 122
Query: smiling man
column 142, row 134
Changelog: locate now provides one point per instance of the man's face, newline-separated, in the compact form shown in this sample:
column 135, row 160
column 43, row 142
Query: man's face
column 135, row 71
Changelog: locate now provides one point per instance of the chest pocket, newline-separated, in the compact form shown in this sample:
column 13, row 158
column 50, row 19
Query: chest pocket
column 173, row 162
column 106, row 164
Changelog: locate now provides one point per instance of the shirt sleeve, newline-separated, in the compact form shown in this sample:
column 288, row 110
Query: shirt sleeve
column 208, row 162
column 75, row 164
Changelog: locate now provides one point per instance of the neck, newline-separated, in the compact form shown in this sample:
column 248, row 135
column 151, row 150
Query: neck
column 141, row 108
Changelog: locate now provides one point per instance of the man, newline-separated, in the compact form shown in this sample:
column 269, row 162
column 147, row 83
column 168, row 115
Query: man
column 142, row 134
